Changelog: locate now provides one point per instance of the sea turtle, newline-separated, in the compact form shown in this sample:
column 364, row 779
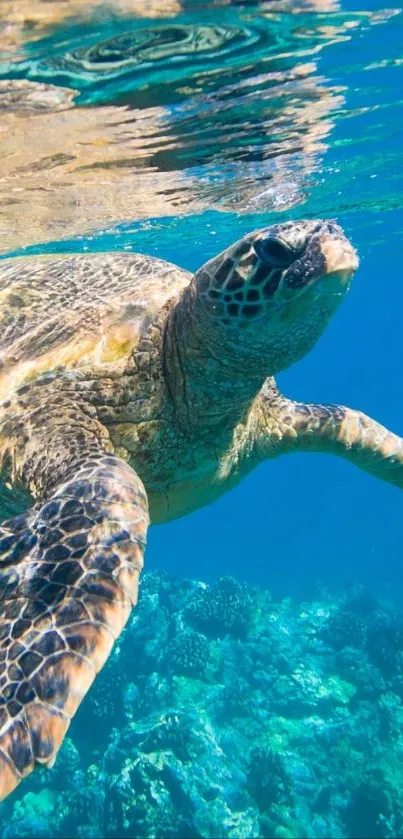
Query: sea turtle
column 131, row 388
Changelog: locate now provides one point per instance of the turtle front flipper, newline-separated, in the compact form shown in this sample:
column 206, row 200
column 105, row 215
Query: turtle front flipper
column 68, row 579
column 285, row 426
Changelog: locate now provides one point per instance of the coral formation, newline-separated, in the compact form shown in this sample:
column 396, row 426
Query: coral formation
column 346, row 629
column 224, row 609
column 267, row 779
column 188, row 654
column 224, row 713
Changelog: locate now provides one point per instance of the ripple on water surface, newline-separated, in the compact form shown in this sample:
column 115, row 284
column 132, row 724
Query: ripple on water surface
column 181, row 108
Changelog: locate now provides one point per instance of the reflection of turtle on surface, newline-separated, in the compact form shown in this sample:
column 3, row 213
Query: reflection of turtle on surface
column 173, row 81
column 131, row 388
column 50, row 147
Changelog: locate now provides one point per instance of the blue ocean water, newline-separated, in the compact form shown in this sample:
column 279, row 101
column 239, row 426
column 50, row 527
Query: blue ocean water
column 294, row 112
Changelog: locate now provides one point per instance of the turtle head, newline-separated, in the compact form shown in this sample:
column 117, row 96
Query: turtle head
column 270, row 295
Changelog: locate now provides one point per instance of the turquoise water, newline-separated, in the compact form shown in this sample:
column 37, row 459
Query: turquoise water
column 160, row 146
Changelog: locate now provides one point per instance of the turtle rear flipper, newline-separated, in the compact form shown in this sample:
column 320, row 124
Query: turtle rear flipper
column 68, row 580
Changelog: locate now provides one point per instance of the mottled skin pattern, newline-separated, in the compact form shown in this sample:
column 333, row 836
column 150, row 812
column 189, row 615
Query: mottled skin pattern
column 130, row 388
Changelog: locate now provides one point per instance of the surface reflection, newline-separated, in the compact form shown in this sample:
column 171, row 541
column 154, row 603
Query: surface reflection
column 126, row 116
column 27, row 18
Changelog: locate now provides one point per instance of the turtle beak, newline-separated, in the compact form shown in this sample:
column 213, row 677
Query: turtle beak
column 340, row 257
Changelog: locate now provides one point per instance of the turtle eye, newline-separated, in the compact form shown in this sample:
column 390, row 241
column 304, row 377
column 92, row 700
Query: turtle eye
column 275, row 252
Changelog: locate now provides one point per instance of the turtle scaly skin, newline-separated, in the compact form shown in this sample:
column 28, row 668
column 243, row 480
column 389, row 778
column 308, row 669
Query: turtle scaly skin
column 129, row 390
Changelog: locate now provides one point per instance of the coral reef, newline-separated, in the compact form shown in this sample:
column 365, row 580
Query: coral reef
column 223, row 713
column 188, row 654
column 224, row 609
column 267, row 779
column 346, row 629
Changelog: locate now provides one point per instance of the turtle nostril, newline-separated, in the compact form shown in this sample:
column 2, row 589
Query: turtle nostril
column 333, row 227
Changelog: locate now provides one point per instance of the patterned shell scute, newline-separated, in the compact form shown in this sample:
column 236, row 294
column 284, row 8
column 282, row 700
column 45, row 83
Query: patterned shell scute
column 79, row 310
